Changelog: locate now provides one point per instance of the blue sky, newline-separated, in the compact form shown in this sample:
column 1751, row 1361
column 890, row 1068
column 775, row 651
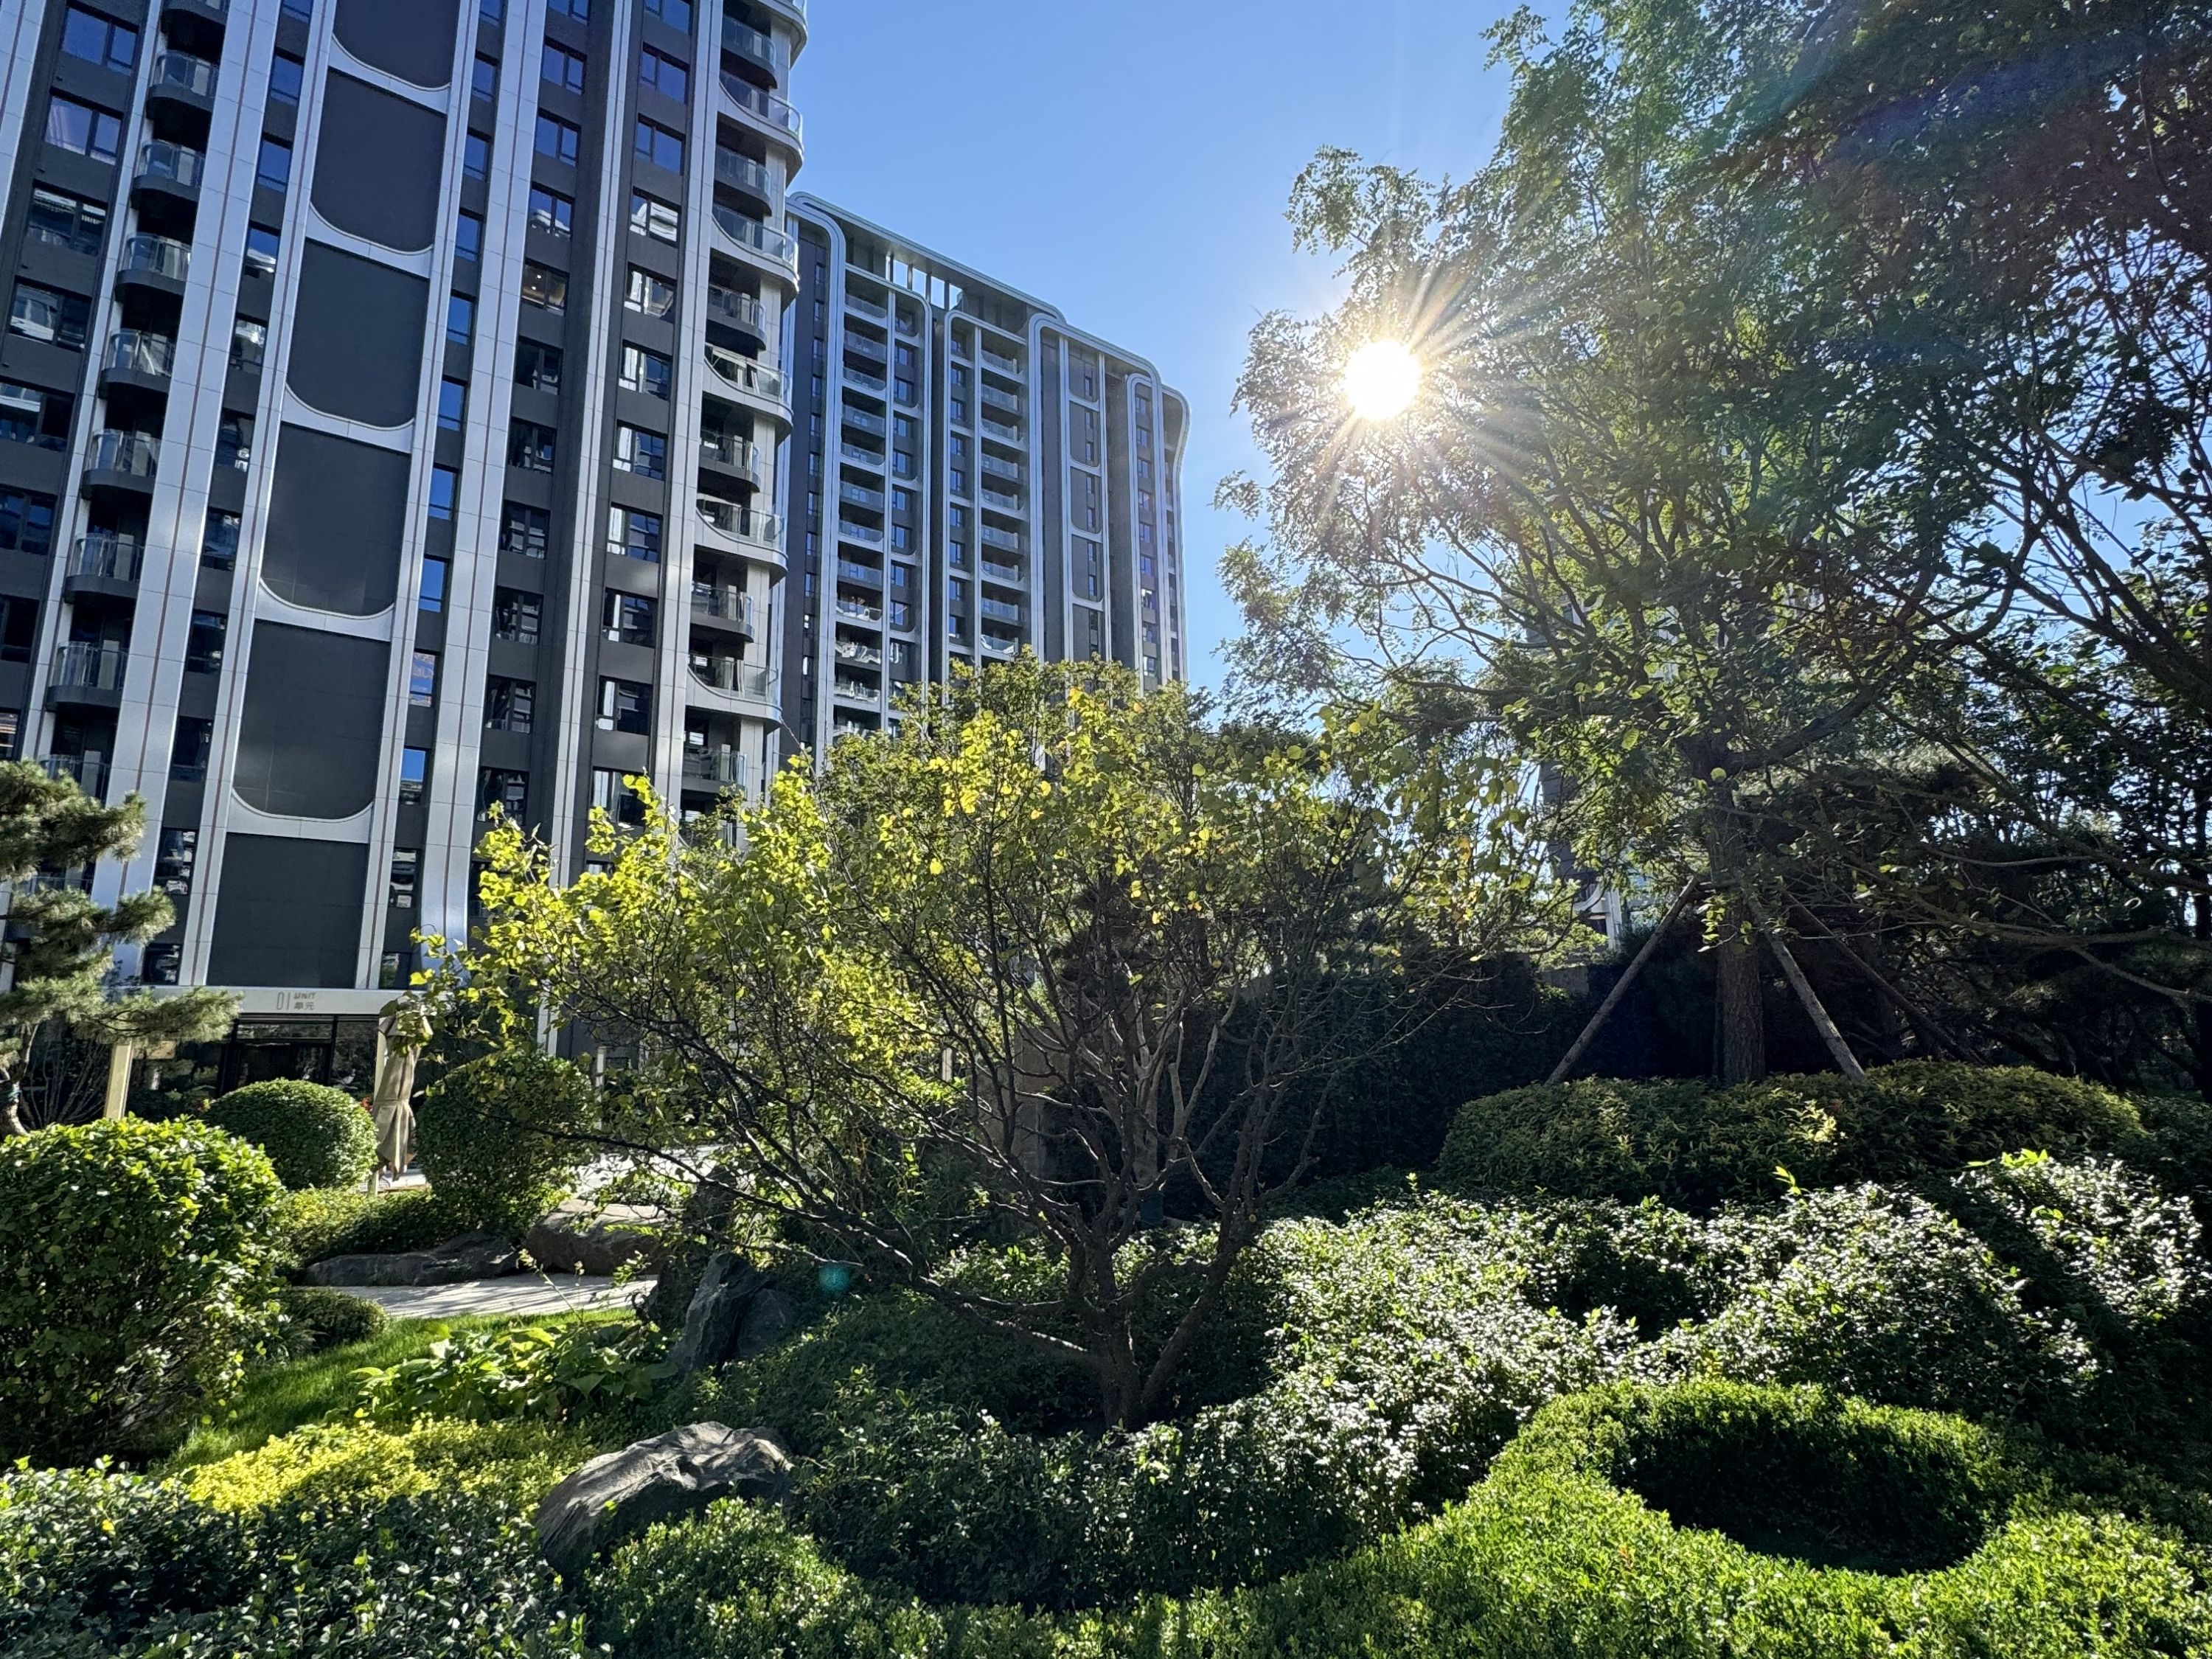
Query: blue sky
column 1178, row 125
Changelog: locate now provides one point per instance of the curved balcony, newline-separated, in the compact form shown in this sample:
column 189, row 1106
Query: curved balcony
column 742, row 530
column 728, row 608
column 760, row 385
column 171, row 170
column 715, row 770
column 122, row 461
column 137, row 362
column 157, row 264
column 727, row 308
column 88, row 772
column 766, row 112
column 207, row 11
column 104, row 561
column 182, row 82
column 88, row 674
column 733, row 456
column 723, row 680
column 764, row 244
column 742, row 172
column 756, row 47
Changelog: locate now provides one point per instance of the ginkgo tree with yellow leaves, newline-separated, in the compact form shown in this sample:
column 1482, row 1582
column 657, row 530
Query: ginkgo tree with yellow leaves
column 1058, row 960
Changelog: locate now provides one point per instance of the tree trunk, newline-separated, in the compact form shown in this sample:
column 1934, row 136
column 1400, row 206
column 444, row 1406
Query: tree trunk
column 1741, row 997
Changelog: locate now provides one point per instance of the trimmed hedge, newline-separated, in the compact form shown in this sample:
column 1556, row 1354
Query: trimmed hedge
column 316, row 1136
column 317, row 1225
column 491, row 1137
column 1697, row 1148
column 137, row 1274
column 514, row 1463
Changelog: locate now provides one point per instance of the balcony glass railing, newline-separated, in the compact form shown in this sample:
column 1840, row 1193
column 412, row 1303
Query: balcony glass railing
column 859, row 534
column 779, row 247
column 865, row 381
column 854, row 455
column 130, row 352
column 1000, row 501
column 157, row 256
column 857, row 690
column 733, row 676
column 745, row 173
column 1009, row 573
column 1000, row 431
column 998, row 611
column 761, row 48
column 757, row 380
column 772, row 112
column 106, row 556
column 873, row 352
column 997, row 468
column 857, row 611
column 862, row 656
column 1006, row 540
column 130, row 452
column 172, row 164
column 741, row 523
column 88, row 772
column 1006, row 400
column 859, row 420
column 731, row 454
column 861, row 306
column 1003, row 644
column 743, row 311
column 861, row 494
column 866, row 575
column 178, row 71
column 724, row 604
column 83, row 667
column 723, row 767
column 1005, row 365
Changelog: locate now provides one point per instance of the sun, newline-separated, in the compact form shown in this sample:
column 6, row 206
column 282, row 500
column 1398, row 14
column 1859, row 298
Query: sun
column 1381, row 380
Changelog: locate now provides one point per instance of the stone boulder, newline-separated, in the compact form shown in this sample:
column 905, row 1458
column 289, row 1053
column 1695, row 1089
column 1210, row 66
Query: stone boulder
column 769, row 1317
column 714, row 1319
column 580, row 1236
column 617, row 1496
column 456, row 1261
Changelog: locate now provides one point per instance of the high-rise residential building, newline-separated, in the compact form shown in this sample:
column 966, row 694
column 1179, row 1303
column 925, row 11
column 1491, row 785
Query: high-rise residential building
column 971, row 476
column 390, row 423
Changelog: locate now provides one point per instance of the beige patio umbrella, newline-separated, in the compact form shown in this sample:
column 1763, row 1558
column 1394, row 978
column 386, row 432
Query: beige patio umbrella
column 399, row 1036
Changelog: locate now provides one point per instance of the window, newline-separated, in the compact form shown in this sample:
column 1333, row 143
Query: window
column 661, row 72
column 80, row 127
column 508, row 704
column 460, row 320
column 453, row 405
column 468, row 237
column 500, row 794
column 634, row 535
column 233, row 440
column 553, row 214
column 527, row 530
column 579, row 9
column 628, row 619
column 636, row 450
column 546, row 288
column 1089, row 566
column 563, row 68
column 648, row 371
column 677, row 14
column 19, row 628
column 558, row 140
column 422, row 680
column 406, row 878
column 178, row 853
column 483, row 81
column 516, row 616
column 274, row 170
column 414, row 776
column 26, row 522
column 492, row 11
column 476, row 157
column 97, row 40
column 657, row 145
column 204, row 643
column 50, row 316
column 650, row 294
column 190, row 749
column 286, row 75
column 219, row 541
column 904, row 392
column 529, row 447
column 538, row 366
column 249, row 344
column 66, row 222
column 656, row 219
column 261, row 246
column 436, row 572
column 626, row 706
column 611, row 794
column 445, row 489
column 162, row 964
column 302, row 9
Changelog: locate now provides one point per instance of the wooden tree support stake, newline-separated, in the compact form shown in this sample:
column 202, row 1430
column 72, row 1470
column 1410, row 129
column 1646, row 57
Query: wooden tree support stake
column 1822, row 1021
column 1613, row 998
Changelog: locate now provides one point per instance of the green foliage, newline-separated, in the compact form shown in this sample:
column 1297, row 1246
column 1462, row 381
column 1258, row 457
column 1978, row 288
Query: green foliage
column 516, row 1463
column 316, row 1136
column 1698, row 1148
column 95, row 1565
column 498, row 1137
column 318, row 1319
column 317, row 1225
column 137, row 1276
column 532, row 1372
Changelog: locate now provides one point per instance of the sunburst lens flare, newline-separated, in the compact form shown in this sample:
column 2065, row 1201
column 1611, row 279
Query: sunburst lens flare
column 1381, row 380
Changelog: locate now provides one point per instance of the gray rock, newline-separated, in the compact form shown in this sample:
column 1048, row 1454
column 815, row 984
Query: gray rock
column 615, row 1497
column 768, row 1320
column 456, row 1261
column 583, row 1238
column 716, row 1315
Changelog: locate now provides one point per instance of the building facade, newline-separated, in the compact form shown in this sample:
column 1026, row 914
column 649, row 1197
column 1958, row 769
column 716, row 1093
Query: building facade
column 390, row 419
column 971, row 477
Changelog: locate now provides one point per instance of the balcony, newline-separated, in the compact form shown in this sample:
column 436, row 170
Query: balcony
column 741, row 312
column 860, row 656
column 858, row 534
column 861, row 307
column 714, row 768
column 88, row 674
column 1004, row 540
column 1011, row 576
column 158, row 264
column 765, row 112
column 859, row 420
column 858, row 610
column 761, row 385
column 856, row 690
column 88, row 772
column 862, row 575
column 868, row 350
column 104, row 561
column 861, row 494
column 860, row 380
column 999, row 501
column 750, row 43
column 171, row 170
column 135, row 360
column 1002, row 400
column 759, row 534
column 998, row 611
column 213, row 11
column 719, row 606
column 1000, row 431
column 777, row 249
column 122, row 461
column 1000, row 645
column 742, row 172
column 854, row 455
column 995, row 467
column 844, row 728
column 734, row 677
column 1005, row 365
column 183, row 81
column 731, row 454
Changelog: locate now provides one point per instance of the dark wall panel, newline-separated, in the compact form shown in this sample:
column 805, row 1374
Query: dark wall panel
column 311, row 740
column 358, row 337
column 411, row 39
column 289, row 913
column 338, row 514
column 378, row 164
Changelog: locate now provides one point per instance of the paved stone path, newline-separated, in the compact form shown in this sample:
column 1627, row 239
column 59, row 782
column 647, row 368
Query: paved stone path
column 523, row 1295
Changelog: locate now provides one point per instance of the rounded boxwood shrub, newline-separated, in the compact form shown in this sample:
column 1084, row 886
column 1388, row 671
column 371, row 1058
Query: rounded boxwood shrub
column 137, row 1273
column 318, row 1319
column 494, row 1137
column 1698, row 1148
column 316, row 1136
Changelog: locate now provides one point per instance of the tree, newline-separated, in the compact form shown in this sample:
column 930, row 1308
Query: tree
column 976, row 982
column 62, row 945
column 1674, row 498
